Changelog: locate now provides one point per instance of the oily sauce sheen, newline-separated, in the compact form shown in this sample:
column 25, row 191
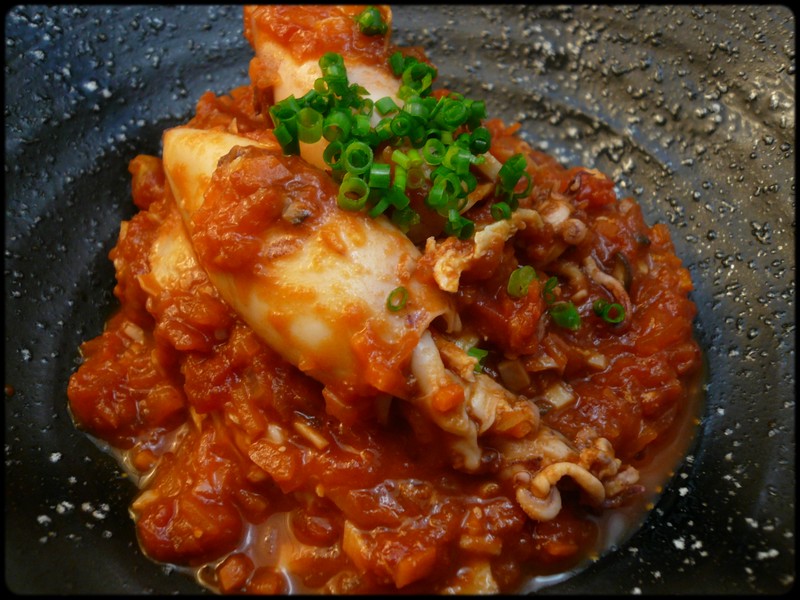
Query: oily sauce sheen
column 250, row 480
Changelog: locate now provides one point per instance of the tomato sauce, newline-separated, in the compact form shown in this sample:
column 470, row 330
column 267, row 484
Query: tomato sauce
column 250, row 483
column 312, row 31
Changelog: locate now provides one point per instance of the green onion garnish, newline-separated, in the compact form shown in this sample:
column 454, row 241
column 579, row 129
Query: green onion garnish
column 309, row 125
column 565, row 315
column 336, row 126
column 397, row 299
column 511, row 171
column 500, row 211
column 480, row 140
column 459, row 226
column 357, row 158
column 435, row 141
column 480, row 354
column 434, row 151
column 610, row 312
column 379, row 176
column 370, row 22
column 353, row 193
column 520, row 280
column 386, row 105
column 548, row 293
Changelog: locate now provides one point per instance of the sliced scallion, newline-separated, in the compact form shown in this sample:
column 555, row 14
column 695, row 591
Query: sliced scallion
column 357, row 158
column 397, row 299
column 441, row 139
column 370, row 22
column 309, row 125
column 548, row 293
column 520, row 280
column 480, row 354
column 610, row 312
column 500, row 211
column 565, row 315
column 353, row 193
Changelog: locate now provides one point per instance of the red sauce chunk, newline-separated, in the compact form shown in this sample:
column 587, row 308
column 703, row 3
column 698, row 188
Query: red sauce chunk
column 258, row 478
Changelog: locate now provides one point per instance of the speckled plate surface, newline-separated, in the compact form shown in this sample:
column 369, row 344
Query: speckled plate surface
column 690, row 110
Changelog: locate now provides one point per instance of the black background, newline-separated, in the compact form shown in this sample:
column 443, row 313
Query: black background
column 690, row 110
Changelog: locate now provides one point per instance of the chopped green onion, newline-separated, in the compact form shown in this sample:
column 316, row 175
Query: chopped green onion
column 397, row 198
column 477, row 112
column 397, row 299
column 379, row 176
column 286, row 139
column 417, row 134
column 548, row 293
column 401, row 124
column 417, row 78
column 309, row 125
column 401, row 158
column 386, row 105
column 480, row 354
column 452, row 114
column 336, row 81
column 458, row 225
column 511, row 171
column 434, row 151
column 397, row 63
column 337, row 126
column 383, row 130
column 285, row 108
column 520, row 280
column 405, row 218
column 414, row 158
column 321, row 86
column 332, row 155
column 357, row 158
column 380, row 207
column 526, row 190
column 353, row 193
column 469, row 182
column 400, row 178
column 332, row 66
column 415, row 107
column 480, row 140
column 610, row 313
column 370, row 22
column 500, row 211
column 565, row 315
column 360, row 125
column 438, row 197
column 392, row 197
column 367, row 105
column 449, row 177
column 317, row 101
column 330, row 59
column 457, row 159
column 441, row 135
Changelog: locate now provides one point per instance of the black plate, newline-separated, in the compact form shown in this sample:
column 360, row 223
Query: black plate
column 690, row 110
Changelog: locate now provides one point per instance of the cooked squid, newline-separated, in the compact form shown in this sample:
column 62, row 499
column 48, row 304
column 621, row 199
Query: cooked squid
column 315, row 289
column 376, row 387
column 317, row 283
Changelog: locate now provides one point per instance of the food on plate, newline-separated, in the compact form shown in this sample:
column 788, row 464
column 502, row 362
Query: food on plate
column 371, row 341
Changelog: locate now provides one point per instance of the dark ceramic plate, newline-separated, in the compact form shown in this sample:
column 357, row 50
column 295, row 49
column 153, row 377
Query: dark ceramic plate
column 690, row 110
